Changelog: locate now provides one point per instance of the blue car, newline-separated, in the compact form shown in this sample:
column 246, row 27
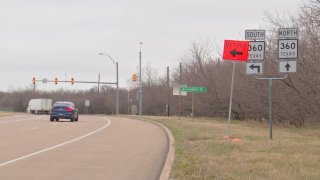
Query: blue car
column 64, row 110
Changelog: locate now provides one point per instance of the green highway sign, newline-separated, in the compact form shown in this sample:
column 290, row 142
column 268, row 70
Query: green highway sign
column 193, row 89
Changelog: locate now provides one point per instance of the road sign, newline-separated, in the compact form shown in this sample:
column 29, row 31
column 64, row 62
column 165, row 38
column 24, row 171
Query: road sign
column 177, row 90
column 235, row 50
column 254, row 68
column 45, row 80
column 255, row 34
column 256, row 50
column 86, row 103
column 288, row 33
column 193, row 89
column 288, row 48
column 288, row 66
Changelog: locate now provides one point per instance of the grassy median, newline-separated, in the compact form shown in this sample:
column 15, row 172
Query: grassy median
column 203, row 153
column 5, row 113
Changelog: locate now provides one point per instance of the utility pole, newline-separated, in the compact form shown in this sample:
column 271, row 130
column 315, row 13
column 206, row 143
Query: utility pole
column 117, row 88
column 140, row 83
column 99, row 84
column 180, row 90
column 168, row 89
column 128, row 101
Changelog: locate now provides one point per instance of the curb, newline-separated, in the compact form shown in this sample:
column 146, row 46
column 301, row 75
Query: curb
column 169, row 162
column 168, row 165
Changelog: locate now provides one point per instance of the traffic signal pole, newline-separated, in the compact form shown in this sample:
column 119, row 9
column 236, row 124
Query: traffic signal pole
column 140, row 83
column 87, row 82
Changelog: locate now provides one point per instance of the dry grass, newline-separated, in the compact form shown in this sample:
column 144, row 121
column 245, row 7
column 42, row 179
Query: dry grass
column 2, row 113
column 203, row 153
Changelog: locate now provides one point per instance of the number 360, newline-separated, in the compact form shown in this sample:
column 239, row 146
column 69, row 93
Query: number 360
column 287, row 45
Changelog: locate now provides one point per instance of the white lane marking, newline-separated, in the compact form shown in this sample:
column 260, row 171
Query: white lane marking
column 18, row 120
column 108, row 122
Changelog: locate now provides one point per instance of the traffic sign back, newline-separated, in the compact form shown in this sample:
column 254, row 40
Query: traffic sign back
column 235, row 50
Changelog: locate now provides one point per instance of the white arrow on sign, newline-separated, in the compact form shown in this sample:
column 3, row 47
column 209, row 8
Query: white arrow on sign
column 288, row 66
column 254, row 68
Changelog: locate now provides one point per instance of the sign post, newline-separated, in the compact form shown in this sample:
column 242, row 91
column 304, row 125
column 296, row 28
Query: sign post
column 270, row 100
column 87, row 104
column 177, row 91
column 193, row 90
column 236, row 51
column 287, row 55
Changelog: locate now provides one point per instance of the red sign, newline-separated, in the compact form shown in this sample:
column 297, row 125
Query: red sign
column 236, row 50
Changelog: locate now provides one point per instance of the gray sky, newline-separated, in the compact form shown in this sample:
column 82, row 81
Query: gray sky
column 62, row 38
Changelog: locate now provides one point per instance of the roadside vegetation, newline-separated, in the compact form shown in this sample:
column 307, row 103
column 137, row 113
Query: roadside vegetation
column 202, row 152
column 6, row 113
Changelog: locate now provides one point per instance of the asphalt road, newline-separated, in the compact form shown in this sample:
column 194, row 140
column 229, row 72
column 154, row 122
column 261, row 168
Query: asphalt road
column 96, row 147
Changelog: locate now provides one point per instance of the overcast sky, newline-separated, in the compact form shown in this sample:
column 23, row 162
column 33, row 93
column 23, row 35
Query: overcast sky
column 62, row 38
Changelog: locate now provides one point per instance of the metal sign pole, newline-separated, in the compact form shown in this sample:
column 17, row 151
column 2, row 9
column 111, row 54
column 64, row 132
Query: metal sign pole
column 192, row 108
column 231, row 94
column 270, row 108
column 270, row 100
column 179, row 103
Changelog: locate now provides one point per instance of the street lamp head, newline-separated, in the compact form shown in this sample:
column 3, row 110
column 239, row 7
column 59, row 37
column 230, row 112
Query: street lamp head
column 105, row 54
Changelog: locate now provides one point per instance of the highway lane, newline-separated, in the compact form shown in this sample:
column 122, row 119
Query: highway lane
column 96, row 147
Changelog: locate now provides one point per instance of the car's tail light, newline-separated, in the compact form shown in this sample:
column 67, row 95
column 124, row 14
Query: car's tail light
column 69, row 109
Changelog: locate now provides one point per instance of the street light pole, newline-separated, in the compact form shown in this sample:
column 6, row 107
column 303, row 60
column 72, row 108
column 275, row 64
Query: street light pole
column 117, row 83
column 117, row 101
column 140, row 81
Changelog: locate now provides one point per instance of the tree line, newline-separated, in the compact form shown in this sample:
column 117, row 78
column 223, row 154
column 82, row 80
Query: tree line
column 296, row 100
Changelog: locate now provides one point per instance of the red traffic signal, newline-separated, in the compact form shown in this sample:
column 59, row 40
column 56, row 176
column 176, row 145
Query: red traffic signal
column 55, row 80
column 33, row 80
column 72, row 81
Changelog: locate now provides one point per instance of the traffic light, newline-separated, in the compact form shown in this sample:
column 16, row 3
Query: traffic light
column 33, row 80
column 72, row 81
column 55, row 80
column 134, row 77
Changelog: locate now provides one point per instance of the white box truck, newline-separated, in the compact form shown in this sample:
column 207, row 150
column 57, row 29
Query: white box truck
column 39, row 106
